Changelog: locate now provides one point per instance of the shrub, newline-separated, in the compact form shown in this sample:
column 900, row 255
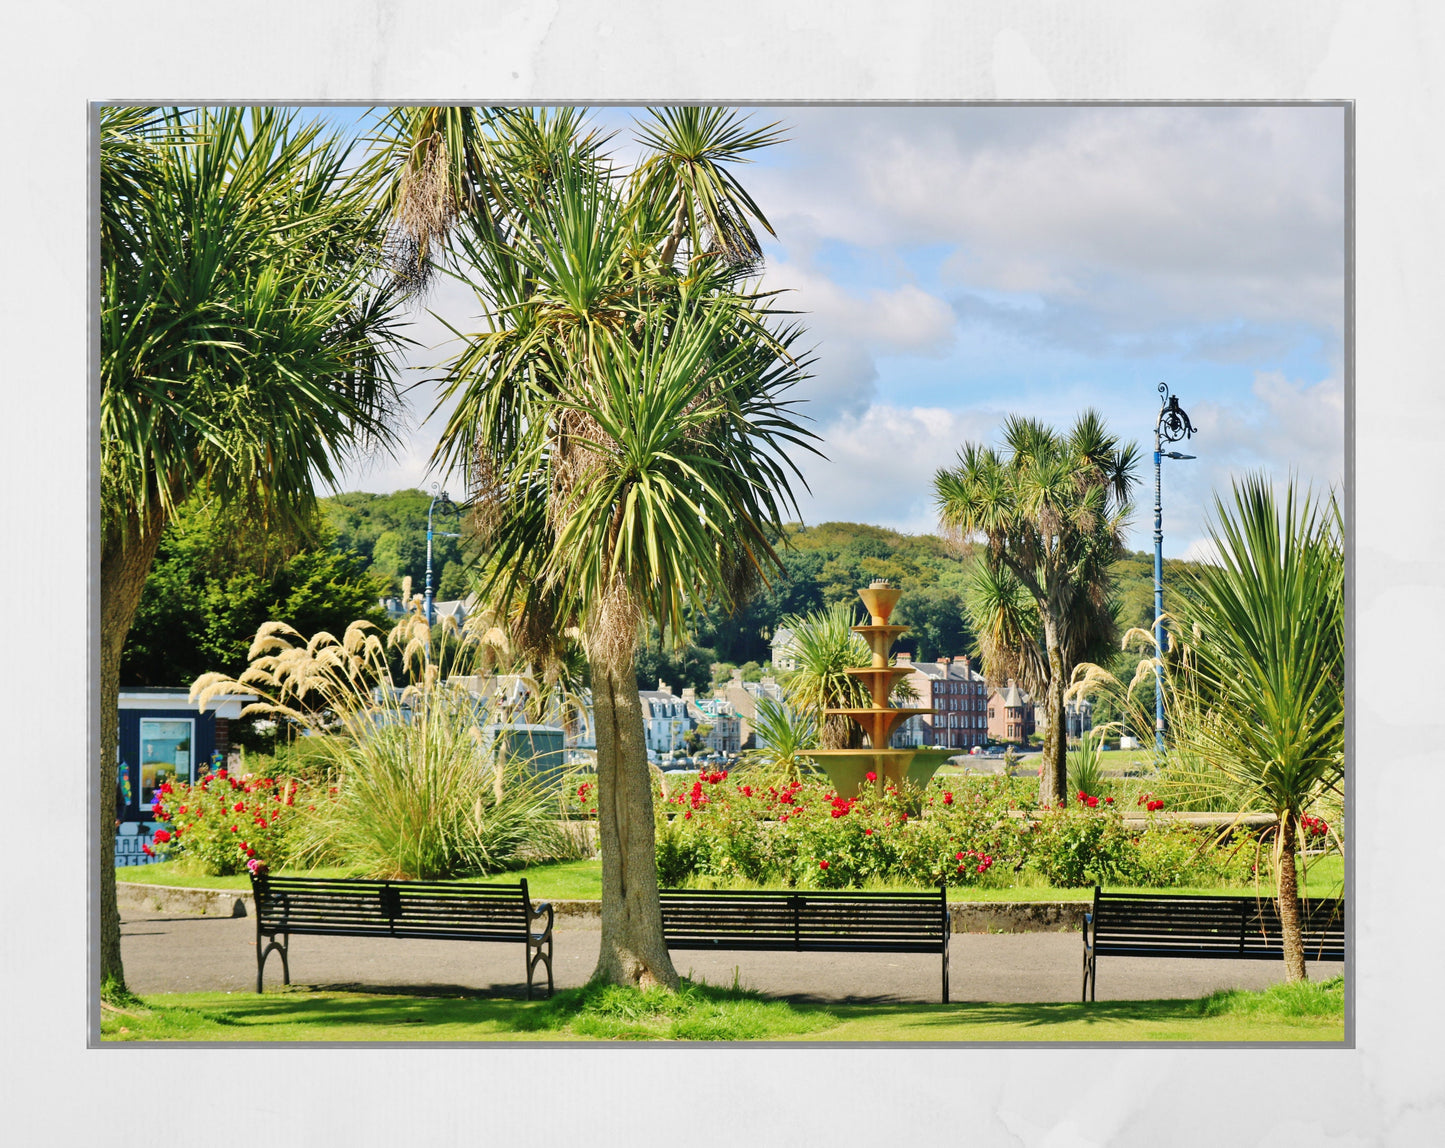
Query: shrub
column 1082, row 846
column 1178, row 855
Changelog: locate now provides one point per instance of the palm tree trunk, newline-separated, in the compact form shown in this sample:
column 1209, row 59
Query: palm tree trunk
column 633, row 951
column 1053, row 767
column 1289, row 911
column 124, row 565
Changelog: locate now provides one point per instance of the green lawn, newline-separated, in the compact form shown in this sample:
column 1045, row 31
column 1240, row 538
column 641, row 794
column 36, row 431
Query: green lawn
column 1308, row 1012
column 582, row 881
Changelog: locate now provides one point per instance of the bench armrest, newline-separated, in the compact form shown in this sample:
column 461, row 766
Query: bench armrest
column 543, row 908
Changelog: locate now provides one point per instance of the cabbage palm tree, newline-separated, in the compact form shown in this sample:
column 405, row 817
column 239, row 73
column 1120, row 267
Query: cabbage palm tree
column 1266, row 629
column 647, row 486
column 245, row 346
column 1051, row 511
column 622, row 424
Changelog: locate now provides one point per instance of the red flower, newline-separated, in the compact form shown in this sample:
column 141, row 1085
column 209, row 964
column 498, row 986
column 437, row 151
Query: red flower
column 234, row 829
column 1108, row 801
column 958, row 857
column 867, row 833
column 688, row 816
column 239, row 807
column 161, row 837
column 822, row 864
column 747, row 791
column 870, row 776
column 948, row 799
column 148, row 851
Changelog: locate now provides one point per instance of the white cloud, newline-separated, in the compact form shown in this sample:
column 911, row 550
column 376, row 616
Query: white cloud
column 1202, row 550
column 881, row 463
column 852, row 329
column 1140, row 216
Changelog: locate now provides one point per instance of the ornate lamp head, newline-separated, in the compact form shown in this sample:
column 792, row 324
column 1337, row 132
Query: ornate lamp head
column 1173, row 423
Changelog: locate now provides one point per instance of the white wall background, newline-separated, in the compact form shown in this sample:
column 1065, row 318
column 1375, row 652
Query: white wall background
column 1386, row 55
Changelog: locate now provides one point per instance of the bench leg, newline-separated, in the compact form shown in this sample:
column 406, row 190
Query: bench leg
column 540, row 952
column 262, row 952
column 1091, row 977
column 945, row 974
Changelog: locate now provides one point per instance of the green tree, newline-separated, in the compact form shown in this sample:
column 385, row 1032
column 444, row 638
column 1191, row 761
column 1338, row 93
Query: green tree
column 245, row 345
column 1266, row 628
column 216, row 578
column 622, row 418
column 1050, row 512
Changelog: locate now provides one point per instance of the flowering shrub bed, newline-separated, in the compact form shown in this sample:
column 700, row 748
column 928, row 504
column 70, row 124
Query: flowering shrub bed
column 221, row 822
column 967, row 832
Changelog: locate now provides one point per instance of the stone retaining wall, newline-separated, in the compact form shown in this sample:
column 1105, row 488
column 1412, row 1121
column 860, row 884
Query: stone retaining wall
column 170, row 899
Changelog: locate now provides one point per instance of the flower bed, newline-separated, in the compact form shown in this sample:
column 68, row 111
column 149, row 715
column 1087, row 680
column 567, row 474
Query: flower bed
column 965, row 832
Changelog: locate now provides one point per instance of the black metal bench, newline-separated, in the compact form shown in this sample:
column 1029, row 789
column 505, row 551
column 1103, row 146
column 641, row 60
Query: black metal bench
column 1238, row 928
column 434, row 910
column 807, row 921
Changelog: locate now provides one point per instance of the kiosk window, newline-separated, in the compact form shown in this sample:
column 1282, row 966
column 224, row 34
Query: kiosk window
column 165, row 755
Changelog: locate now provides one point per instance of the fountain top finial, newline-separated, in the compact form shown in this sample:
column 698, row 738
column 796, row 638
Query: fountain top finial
column 880, row 598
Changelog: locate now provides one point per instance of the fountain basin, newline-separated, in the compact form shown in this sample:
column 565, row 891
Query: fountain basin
column 848, row 769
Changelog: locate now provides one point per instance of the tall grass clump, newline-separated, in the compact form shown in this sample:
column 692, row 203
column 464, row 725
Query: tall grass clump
column 406, row 783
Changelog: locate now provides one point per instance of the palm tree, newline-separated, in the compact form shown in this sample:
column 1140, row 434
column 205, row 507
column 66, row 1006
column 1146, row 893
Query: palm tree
column 1051, row 511
column 1266, row 629
column 825, row 649
column 245, row 346
column 784, row 736
column 623, row 430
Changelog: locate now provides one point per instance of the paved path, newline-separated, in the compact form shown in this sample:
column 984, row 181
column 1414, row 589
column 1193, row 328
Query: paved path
column 174, row 953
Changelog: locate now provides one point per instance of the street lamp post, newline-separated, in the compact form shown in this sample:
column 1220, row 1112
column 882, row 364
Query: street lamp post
column 448, row 507
column 1171, row 426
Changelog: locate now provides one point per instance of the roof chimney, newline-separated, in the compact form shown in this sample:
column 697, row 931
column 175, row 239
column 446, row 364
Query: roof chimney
column 905, row 658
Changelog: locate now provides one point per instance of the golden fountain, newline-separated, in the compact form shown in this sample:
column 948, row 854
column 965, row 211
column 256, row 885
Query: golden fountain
column 848, row 769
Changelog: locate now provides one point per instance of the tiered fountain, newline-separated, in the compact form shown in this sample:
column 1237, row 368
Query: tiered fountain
column 848, row 769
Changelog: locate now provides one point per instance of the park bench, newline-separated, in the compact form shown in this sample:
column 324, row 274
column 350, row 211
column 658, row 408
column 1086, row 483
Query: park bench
column 434, row 910
column 1239, row 928
column 807, row 921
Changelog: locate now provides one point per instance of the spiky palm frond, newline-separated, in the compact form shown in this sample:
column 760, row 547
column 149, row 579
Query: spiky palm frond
column 1267, row 628
column 244, row 342
column 687, row 178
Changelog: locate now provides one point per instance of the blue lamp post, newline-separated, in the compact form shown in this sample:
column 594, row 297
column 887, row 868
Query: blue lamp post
column 1171, row 426
column 447, row 507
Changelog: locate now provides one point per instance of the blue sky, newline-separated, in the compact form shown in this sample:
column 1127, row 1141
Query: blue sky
column 957, row 264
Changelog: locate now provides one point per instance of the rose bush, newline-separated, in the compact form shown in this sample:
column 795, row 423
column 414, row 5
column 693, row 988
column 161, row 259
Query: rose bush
column 803, row 833
column 221, row 821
